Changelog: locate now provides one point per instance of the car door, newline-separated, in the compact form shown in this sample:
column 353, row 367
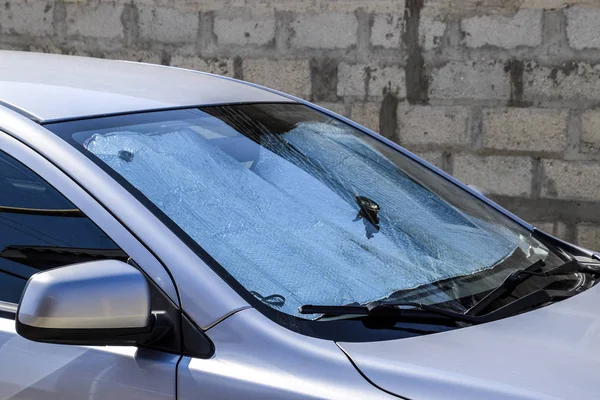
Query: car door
column 48, row 221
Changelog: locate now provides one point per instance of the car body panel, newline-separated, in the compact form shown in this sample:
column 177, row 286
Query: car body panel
column 256, row 359
column 548, row 353
column 40, row 371
column 205, row 297
column 51, row 87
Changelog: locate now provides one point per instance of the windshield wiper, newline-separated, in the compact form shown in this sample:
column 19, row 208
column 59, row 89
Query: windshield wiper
column 412, row 310
column 513, row 280
column 418, row 311
column 395, row 310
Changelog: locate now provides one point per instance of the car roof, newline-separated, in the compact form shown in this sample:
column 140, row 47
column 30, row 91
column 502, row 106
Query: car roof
column 51, row 87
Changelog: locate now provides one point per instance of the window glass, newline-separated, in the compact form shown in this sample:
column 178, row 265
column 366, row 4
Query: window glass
column 302, row 209
column 40, row 229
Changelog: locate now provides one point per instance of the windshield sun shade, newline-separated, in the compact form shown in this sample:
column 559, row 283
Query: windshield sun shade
column 278, row 210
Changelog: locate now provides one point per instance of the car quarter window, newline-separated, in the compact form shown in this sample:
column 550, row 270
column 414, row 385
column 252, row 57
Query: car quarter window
column 41, row 229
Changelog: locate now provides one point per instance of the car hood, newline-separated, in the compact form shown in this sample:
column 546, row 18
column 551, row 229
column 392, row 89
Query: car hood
column 549, row 353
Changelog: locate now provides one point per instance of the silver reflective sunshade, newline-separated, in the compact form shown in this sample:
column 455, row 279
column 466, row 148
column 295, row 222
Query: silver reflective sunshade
column 286, row 222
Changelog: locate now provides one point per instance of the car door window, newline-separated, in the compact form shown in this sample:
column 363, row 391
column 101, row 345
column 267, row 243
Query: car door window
column 40, row 229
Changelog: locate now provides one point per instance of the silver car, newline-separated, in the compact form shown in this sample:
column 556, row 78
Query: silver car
column 169, row 234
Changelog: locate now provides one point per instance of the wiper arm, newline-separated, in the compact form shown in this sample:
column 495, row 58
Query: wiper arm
column 396, row 310
column 513, row 280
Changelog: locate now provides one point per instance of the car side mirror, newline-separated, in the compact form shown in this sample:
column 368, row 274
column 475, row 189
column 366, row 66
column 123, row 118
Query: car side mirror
column 104, row 302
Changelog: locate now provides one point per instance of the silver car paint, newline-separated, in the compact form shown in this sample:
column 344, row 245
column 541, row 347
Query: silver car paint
column 103, row 294
column 205, row 297
column 53, row 87
column 40, row 371
column 257, row 359
column 548, row 353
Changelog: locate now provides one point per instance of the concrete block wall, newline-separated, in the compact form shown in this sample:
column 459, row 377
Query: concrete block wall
column 504, row 94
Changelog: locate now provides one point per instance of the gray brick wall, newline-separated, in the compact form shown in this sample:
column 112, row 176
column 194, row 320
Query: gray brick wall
column 505, row 95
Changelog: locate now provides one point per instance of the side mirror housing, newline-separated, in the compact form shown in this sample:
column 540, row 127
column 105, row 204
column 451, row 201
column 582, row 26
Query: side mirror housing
column 104, row 302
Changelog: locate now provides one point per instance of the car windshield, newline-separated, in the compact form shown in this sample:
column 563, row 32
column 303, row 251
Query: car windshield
column 301, row 208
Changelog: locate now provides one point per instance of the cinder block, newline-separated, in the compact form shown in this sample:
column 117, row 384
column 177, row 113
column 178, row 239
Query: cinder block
column 351, row 79
column 431, row 31
column 370, row 80
column 555, row 4
column 544, row 226
column 558, row 228
column 288, row 75
column 219, row 66
column 588, row 236
column 387, row 30
column 366, row 114
column 300, row 6
column 39, row 48
column 33, row 18
column 101, row 20
column 506, row 8
column 168, row 25
column 525, row 129
column 434, row 157
column 338, row 108
column 382, row 80
column 572, row 81
column 444, row 126
column 477, row 80
column 583, row 27
column 375, row 6
column 191, row 6
column 522, row 29
column 242, row 31
column 500, row 175
column 135, row 55
column 590, row 131
column 324, row 31
column 571, row 179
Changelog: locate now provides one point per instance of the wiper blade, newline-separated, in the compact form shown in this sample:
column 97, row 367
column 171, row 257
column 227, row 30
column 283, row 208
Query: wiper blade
column 383, row 309
column 417, row 311
column 513, row 280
